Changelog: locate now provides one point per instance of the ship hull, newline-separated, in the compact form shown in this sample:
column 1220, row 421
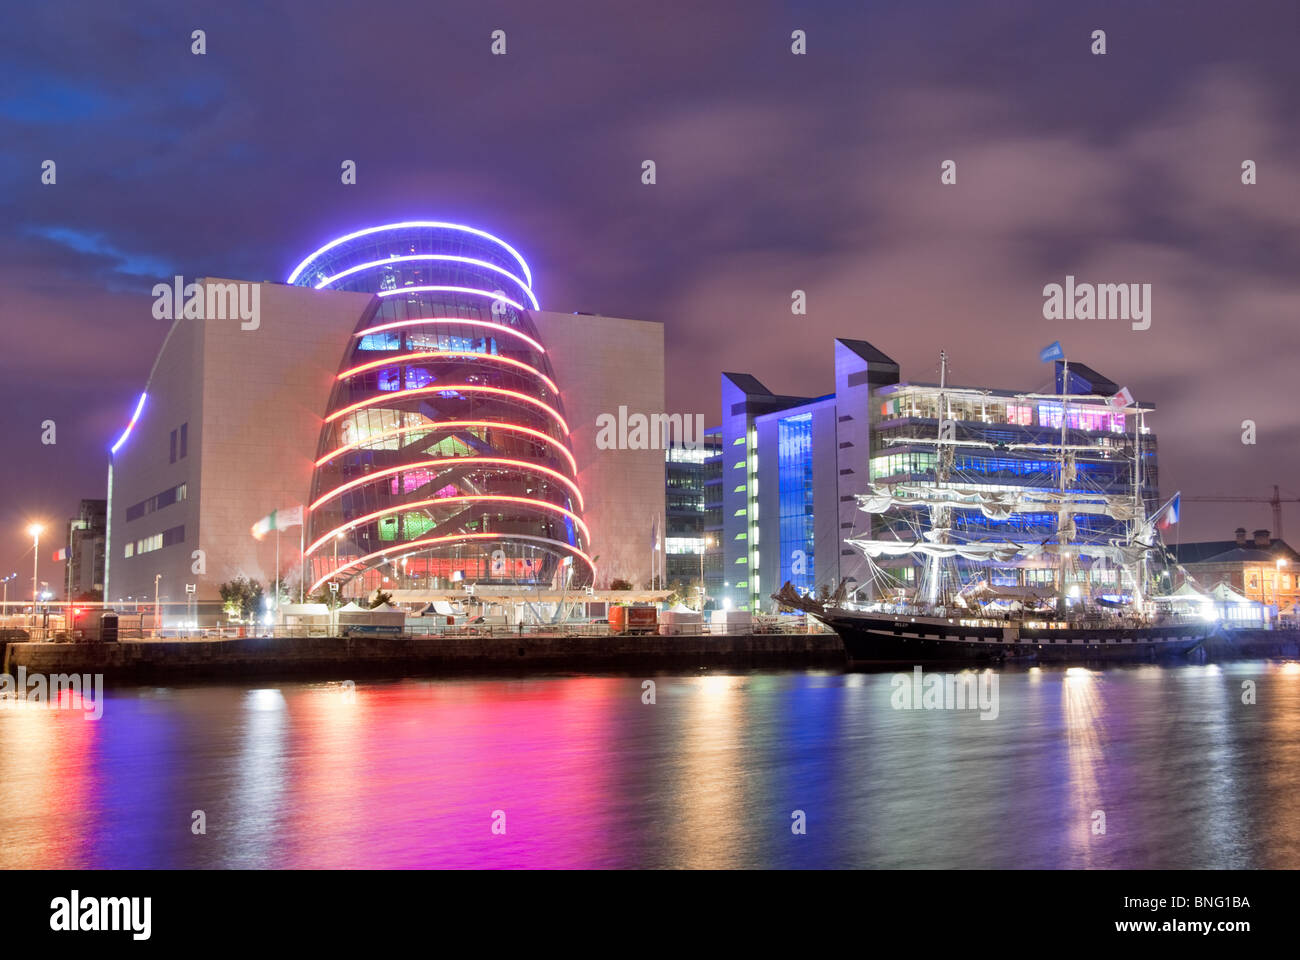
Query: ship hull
column 884, row 639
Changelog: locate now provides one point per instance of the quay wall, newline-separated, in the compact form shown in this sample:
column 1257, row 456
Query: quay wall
column 149, row 661
column 184, row 660
column 1238, row 644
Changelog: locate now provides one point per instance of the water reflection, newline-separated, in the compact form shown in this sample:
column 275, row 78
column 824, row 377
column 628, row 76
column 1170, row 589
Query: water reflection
column 585, row 774
column 1082, row 709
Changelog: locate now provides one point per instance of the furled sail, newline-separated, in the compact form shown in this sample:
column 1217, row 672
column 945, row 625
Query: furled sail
column 970, row 551
column 994, row 504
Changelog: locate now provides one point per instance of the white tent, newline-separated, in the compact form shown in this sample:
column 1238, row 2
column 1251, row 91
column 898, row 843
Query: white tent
column 1236, row 610
column 680, row 619
column 1223, row 593
column 1187, row 599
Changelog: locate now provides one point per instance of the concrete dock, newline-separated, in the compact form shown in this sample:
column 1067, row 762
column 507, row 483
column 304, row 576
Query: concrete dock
column 149, row 661
column 172, row 661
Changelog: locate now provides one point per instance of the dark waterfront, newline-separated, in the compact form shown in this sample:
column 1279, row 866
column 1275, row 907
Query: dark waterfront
column 408, row 774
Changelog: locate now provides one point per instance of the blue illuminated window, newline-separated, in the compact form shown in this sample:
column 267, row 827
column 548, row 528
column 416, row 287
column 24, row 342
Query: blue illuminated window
column 795, row 496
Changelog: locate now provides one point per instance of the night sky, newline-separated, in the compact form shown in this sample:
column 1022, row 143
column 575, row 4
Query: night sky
column 775, row 172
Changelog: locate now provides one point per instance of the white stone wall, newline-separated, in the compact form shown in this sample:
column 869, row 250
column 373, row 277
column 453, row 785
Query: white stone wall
column 600, row 363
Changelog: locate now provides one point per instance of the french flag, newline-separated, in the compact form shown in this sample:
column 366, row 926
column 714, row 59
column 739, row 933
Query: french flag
column 1171, row 514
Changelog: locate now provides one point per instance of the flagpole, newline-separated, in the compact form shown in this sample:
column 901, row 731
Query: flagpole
column 277, row 570
column 302, row 553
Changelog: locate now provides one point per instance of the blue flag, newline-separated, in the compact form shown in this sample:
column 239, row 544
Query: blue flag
column 1054, row 352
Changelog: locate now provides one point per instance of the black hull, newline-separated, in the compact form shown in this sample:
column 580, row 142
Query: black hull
column 872, row 638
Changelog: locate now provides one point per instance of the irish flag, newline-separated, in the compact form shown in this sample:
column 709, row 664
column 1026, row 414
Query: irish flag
column 278, row 520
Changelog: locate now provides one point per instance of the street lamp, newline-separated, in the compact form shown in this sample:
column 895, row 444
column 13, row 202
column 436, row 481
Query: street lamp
column 708, row 542
column 34, row 531
column 4, row 610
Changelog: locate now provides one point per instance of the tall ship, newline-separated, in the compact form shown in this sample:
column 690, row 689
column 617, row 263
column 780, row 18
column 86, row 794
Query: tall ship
column 1059, row 560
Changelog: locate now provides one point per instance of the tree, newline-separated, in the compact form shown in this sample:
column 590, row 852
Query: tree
column 241, row 598
column 620, row 584
column 380, row 598
column 679, row 592
column 323, row 595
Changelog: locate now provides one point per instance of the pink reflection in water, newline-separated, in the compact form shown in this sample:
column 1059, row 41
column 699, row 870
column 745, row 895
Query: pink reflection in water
column 413, row 772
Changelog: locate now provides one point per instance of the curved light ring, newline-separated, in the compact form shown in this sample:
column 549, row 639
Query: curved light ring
column 447, row 461
column 473, row 323
column 404, row 358
column 438, row 288
column 459, row 536
column 432, row 256
column 434, row 426
column 393, row 511
column 407, row 224
column 388, row 396
column 130, row 426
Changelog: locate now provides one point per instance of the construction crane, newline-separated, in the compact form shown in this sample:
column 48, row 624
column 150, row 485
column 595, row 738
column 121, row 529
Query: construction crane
column 1275, row 501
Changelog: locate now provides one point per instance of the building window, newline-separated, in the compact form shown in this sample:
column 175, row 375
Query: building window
column 173, row 447
column 156, row 502
column 185, row 439
column 795, row 496
column 167, row 538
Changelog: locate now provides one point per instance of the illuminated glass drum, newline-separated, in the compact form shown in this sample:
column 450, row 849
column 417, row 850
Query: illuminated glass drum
column 444, row 454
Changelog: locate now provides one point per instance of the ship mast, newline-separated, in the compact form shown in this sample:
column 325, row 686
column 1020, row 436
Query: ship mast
column 939, row 515
column 1139, row 511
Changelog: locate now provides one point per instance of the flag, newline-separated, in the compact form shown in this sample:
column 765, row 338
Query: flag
column 654, row 533
column 1171, row 513
column 1054, row 352
column 1122, row 399
column 61, row 554
column 278, row 520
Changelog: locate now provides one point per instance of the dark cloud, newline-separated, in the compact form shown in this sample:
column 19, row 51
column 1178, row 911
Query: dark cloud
column 774, row 173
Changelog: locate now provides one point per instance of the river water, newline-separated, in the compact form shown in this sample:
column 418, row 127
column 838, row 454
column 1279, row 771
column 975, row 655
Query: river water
column 578, row 771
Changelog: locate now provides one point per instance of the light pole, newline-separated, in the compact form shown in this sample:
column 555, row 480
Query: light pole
column 5, row 581
column 157, row 616
column 708, row 542
column 35, row 530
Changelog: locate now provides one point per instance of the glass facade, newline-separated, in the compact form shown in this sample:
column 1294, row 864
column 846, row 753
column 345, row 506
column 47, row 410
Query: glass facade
column 444, row 452
column 688, row 533
column 795, row 498
column 1011, row 448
